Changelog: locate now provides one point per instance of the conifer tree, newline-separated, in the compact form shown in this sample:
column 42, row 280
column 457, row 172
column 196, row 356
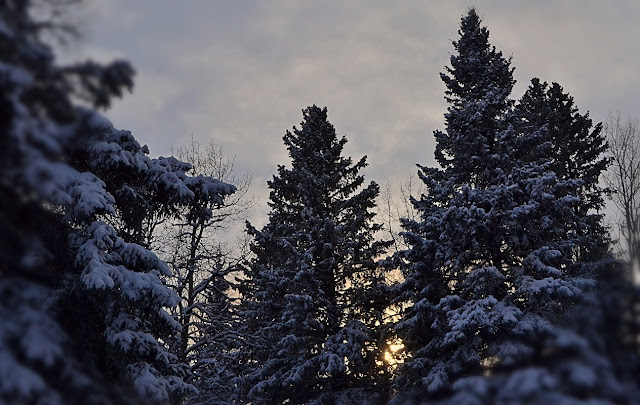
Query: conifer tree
column 443, row 240
column 132, row 294
column 576, row 149
column 82, row 302
column 569, row 139
column 479, row 82
column 493, row 283
column 314, row 262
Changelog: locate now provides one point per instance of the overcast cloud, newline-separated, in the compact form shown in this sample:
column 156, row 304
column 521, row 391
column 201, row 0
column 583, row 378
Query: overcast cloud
column 240, row 72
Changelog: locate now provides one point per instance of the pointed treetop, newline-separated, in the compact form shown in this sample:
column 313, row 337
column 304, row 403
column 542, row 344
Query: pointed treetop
column 479, row 81
column 316, row 135
column 478, row 69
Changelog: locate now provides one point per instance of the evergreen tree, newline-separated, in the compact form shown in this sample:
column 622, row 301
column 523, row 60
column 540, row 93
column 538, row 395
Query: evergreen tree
column 445, row 238
column 38, row 122
column 478, row 83
column 132, row 299
column 494, row 280
column 313, row 264
column 82, row 303
column 569, row 140
column 575, row 149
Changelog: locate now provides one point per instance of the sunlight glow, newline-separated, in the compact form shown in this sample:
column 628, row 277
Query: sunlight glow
column 389, row 357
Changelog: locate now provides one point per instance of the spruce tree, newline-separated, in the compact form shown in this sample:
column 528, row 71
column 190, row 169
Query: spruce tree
column 121, row 281
column 493, row 282
column 575, row 146
column 479, row 82
column 82, row 302
column 454, row 215
column 314, row 261
column 577, row 149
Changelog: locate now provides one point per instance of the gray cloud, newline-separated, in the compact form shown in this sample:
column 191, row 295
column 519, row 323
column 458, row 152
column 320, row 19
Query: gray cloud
column 240, row 72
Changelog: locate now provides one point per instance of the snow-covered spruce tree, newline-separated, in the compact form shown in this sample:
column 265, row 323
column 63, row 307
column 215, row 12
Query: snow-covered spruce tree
column 576, row 149
column 40, row 191
column 82, row 306
column 494, row 277
column 145, row 192
column 443, row 237
column 315, row 262
column 569, row 139
column 478, row 83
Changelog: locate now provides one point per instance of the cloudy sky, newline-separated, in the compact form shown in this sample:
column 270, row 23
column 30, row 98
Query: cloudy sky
column 240, row 72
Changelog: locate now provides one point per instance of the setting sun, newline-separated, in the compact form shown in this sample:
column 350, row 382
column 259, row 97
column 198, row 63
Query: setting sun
column 389, row 355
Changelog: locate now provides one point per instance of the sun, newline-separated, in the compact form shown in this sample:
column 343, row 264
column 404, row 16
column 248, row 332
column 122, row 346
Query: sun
column 389, row 354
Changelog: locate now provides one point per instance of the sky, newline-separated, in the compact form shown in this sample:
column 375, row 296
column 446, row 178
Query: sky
column 238, row 73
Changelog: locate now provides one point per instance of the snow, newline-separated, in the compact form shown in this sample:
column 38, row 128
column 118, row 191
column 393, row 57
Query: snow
column 147, row 383
column 108, row 261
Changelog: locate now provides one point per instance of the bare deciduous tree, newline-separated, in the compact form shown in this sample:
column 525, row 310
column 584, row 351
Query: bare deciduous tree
column 623, row 178
column 396, row 205
column 202, row 253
